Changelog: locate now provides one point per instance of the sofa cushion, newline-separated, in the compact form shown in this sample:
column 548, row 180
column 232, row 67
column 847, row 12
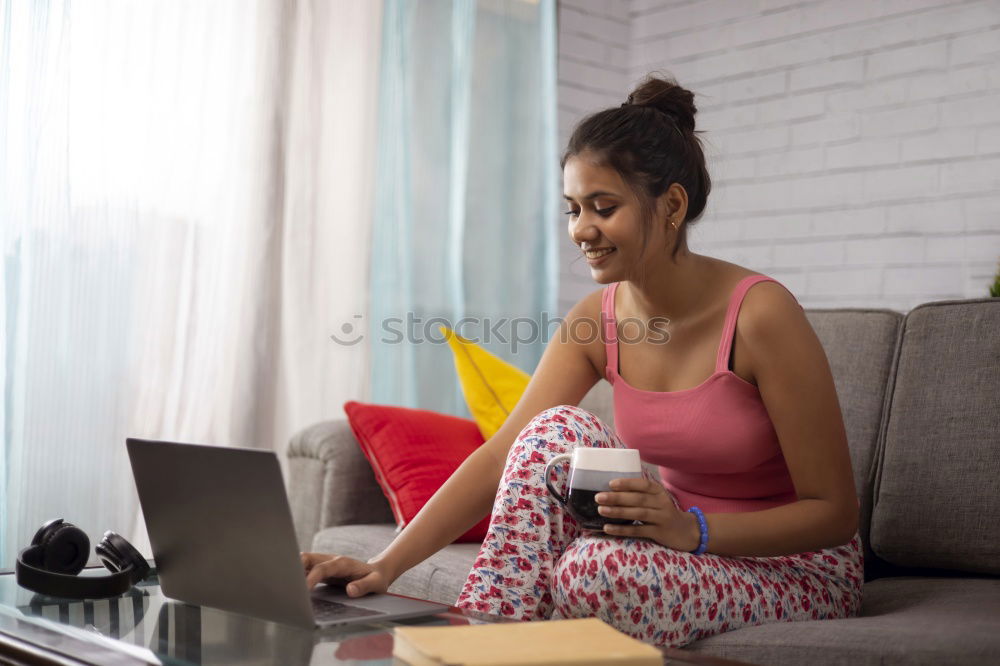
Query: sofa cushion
column 937, row 494
column 859, row 347
column 903, row 621
column 413, row 452
column 491, row 385
column 438, row 578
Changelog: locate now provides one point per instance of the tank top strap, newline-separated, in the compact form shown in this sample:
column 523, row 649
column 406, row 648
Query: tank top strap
column 610, row 327
column 733, row 311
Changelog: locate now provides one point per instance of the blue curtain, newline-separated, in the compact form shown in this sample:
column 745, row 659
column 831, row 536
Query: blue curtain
column 466, row 192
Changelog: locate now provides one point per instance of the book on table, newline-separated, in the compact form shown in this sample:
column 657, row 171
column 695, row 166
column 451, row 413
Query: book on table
column 581, row 642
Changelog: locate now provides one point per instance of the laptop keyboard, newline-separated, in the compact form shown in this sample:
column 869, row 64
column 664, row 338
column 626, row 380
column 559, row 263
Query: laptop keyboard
column 331, row 611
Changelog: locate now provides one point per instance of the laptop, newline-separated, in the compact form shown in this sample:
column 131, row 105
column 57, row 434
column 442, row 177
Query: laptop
column 222, row 536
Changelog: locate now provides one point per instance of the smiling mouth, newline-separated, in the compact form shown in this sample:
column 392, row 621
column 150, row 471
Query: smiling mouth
column 598, row 253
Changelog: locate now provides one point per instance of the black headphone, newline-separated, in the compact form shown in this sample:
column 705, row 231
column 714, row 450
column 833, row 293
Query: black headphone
column 59, row 551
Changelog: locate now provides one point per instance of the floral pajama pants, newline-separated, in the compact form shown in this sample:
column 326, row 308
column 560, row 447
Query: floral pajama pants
column 537, row 563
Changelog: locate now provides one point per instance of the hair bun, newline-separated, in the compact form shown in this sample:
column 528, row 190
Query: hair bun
column 666, row 95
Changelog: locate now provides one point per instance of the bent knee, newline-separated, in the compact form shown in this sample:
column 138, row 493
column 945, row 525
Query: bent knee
column 564, row 413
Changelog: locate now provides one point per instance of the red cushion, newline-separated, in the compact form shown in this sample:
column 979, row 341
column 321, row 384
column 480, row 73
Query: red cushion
column 413, row 452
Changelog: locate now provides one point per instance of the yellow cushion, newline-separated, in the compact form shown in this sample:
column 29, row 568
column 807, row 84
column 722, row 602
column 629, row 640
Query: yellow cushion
column 491, row 386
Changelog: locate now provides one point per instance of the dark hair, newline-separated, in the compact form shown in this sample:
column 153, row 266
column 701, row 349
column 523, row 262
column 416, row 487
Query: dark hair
column 651, row 142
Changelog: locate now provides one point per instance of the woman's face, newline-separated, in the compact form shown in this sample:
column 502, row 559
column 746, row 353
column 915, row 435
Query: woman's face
column 604, row 222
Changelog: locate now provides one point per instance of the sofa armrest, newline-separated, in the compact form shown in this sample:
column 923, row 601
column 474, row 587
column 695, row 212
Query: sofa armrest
column 330, row 482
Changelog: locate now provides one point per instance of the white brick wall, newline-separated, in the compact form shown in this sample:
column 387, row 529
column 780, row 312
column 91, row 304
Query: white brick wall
column 854, row 146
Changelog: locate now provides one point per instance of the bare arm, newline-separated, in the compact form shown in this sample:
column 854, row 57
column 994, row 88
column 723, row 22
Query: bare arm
column 565, row 373
column 797, row 388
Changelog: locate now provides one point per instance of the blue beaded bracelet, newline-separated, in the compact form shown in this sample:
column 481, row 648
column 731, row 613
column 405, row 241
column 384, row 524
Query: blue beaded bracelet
column 703, row 526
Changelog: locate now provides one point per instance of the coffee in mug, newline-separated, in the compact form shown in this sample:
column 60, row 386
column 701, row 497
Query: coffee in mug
column 591, row 471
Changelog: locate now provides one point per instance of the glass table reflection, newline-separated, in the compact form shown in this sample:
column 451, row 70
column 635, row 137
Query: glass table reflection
column 143, row 626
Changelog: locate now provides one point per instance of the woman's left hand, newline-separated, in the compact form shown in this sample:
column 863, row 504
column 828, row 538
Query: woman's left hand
column 648, row 501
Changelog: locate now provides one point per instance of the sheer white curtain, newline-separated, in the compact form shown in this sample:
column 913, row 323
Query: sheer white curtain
column 184, row 202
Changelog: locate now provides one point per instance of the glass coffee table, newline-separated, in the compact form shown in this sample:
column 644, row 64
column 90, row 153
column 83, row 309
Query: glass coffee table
column 144, row 627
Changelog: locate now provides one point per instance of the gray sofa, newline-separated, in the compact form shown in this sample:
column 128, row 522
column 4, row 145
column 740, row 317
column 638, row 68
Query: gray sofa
column 920, row 395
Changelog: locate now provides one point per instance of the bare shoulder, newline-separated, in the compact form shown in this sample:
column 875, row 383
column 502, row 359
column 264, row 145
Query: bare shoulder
column 767, row 305
column 773, row 328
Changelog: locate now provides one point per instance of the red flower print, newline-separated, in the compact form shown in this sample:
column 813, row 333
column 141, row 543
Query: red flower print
column 643, row 591
column 536, row 457
column 636, row 615
column 509, row 549
column 569, row 435
column 620, row 586
column 592, row 601
column 523, row 503
column 524, row 564
column 536, row 519
column 506, row 608
column 675, row 614
column 559, row 419
column 494, row 592
column 778, row 610
column 713, row 610
column 622, row 557
column 746, row 613
column 643, row 561
column 611, row 565
column 685, row 592
column 592, row 568
column 805, row 603
column 482, row 607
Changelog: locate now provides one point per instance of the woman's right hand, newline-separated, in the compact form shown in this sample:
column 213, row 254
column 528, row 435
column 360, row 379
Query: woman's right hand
column 361, row 577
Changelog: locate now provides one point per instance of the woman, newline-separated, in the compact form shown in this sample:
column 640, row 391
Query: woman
column 738, row 409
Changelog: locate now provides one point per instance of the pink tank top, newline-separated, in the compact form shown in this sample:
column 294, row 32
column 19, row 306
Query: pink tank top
column 715, row 444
